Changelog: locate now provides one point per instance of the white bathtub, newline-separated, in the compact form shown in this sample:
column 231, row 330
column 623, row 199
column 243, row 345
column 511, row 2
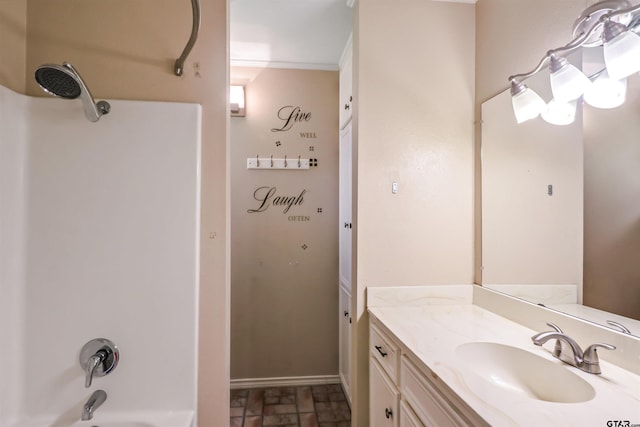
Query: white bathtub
column 124, row 419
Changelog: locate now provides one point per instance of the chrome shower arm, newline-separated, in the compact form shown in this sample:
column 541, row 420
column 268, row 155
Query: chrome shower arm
column 179, row 66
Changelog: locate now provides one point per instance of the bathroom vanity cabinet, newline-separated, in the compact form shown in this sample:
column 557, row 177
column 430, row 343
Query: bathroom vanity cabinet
column 405, row 393
column 447, row 356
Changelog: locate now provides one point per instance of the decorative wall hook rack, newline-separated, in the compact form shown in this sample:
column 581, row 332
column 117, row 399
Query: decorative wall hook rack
column 286, row 163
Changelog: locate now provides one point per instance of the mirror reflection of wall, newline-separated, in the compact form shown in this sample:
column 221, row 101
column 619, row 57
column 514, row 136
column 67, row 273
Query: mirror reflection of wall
column 534, row 238
column 610, row 156
column 612, row 206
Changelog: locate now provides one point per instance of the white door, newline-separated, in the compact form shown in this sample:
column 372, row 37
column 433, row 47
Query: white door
column 345, row 224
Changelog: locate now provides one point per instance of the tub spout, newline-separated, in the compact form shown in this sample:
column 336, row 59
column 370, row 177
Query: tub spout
column 97, row 398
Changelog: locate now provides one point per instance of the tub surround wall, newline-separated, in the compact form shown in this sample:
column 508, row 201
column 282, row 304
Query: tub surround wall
column 127, row 50
column 110, row 249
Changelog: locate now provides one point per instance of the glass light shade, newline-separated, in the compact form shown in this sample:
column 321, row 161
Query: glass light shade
column 560, row 113
column 527, row 105
column 236, row 100
column 606, row 92
column 568, row 83
column 622, row 55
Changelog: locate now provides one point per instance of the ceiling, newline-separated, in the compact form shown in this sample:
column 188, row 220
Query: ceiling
column 307, row 34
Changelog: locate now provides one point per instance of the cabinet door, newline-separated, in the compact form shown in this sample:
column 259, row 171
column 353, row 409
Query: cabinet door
column 345, row 341
column 407, row 417
column 346, row 85
column 345, row 224
column 383, row 398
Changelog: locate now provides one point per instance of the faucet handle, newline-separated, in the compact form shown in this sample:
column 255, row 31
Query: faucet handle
column 591, row 359
column 619, row 326
column 98, row 357
column 557, row 348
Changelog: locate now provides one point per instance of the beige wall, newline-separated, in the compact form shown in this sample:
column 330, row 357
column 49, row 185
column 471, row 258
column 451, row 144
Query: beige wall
column 126, row 50
column 284, row 265
column 13, row 44
column 414, row 91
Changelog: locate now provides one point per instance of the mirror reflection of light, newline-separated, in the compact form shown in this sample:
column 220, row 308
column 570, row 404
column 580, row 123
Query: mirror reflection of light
column 606, row 92
column 560, row 113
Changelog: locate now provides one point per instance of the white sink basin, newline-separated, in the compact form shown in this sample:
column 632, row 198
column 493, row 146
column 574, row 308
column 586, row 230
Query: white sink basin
column 523, row 372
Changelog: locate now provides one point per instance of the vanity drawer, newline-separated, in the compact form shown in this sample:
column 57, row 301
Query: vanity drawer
column 430, row 405
column 385, row 351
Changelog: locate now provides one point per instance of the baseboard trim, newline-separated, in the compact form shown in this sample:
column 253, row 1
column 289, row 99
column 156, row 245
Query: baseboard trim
column 284, row 381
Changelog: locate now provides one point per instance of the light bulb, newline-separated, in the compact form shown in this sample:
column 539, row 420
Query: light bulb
column 606, row 92
column 621, row 50
column 560, row 113
column 567, row 82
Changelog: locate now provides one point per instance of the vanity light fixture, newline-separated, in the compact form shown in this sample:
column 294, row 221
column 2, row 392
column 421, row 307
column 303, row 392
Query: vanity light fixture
column 610, row 24
column 237, row 101
column 606, row 92
column 560, row 113
column 527, row 104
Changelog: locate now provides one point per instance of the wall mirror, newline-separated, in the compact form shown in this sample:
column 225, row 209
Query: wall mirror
column 561, row 206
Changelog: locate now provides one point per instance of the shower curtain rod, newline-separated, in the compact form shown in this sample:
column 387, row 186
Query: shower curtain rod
column 179, row 66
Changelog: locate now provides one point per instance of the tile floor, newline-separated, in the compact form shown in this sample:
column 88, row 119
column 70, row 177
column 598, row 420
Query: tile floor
column 302, row 406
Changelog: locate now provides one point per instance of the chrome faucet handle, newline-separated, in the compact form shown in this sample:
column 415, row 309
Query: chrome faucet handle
column 91, row 366
column 591, row 359
column 619, row 326
column 98, row 357
column 557, row 348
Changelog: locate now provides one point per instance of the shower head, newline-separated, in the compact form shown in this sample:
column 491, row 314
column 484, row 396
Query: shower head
column 65, row 82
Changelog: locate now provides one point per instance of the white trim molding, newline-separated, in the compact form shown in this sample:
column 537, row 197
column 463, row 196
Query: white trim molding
column 284, row 381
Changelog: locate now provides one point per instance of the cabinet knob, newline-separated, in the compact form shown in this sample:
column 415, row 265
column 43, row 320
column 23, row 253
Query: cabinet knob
column 379, row 348
column 388, row 413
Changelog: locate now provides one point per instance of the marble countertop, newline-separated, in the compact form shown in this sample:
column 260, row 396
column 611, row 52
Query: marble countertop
column 432, row 334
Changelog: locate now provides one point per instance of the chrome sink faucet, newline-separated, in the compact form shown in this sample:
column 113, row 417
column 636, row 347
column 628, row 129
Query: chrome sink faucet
column 568, row 350
column 97, row 398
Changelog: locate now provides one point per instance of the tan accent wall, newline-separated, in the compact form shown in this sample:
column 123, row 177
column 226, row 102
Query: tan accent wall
column 284, row 260
column 13, row 44
column 414, row 91
column 126, row 50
